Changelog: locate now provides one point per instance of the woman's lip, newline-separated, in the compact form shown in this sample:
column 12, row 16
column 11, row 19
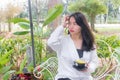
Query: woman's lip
column 71, row 30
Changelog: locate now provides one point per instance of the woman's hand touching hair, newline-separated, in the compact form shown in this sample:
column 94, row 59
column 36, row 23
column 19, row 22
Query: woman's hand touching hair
column 65, row 21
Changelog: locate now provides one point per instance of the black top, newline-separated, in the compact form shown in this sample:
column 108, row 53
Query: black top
column 80, row 53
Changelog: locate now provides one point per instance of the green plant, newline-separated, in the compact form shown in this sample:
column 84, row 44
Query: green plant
column 116, row 54
column 23, row 23
column 109, row 52
column 19, row 45
column 40, row 32
column 106, row 45
column 53, row 13
column 4, row 67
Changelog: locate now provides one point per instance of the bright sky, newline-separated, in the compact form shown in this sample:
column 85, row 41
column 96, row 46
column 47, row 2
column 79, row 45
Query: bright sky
column 3, row 3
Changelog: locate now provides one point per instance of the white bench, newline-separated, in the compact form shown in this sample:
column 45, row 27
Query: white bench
column 49, row 65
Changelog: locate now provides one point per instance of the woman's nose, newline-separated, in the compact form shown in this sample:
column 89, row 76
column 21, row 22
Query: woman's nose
column 71, row 26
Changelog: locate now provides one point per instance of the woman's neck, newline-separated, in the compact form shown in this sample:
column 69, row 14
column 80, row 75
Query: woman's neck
column 76, row 37
column 77, row 41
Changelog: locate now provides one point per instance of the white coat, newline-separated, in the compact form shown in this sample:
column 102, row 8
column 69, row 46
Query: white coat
column 67, row 54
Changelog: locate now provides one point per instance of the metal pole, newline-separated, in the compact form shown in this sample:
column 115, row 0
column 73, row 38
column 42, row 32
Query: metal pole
column 32, row 36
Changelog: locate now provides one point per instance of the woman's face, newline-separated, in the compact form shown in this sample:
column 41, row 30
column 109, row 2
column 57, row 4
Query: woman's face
column 73, row 27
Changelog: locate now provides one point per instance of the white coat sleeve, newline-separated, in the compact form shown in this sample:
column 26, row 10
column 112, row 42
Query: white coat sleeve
column 55, row 38
column 94, row 62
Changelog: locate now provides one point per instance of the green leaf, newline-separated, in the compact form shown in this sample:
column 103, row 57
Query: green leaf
column 17, row 20
column 21, row 32
column 6, row 55
column 5, row 69
column 4, row 61
column 24, row 25
column 7, row 74
column 22, row 65
column 117, row 54
column 117, row 50
column 30, row 66
column 54, row 13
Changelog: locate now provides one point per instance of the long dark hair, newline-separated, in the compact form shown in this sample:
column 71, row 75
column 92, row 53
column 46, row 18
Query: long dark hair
column 88, row 38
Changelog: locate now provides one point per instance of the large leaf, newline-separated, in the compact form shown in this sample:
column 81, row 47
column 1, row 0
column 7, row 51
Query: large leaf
column 24, row 25
column 21, row 32
column 4, row 61
column 4, row 58
column 56, row 11
column 17, row 20
column 7, row 74
column 6, row 55
column 5, row 69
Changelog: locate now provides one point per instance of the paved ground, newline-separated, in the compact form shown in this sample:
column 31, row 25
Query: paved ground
column 107, row 25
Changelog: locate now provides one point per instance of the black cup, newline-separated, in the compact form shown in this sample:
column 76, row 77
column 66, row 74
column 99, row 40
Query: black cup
column 79, row 66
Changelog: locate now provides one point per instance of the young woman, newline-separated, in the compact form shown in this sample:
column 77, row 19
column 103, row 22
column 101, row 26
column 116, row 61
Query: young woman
column 78, row 44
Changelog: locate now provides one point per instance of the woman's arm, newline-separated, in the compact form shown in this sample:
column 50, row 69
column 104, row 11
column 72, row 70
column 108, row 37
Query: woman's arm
column 55, row 38
column 94, row 62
